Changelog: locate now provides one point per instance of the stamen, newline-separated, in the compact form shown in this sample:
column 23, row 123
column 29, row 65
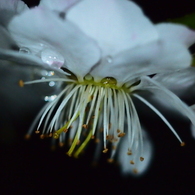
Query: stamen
column 159, row 114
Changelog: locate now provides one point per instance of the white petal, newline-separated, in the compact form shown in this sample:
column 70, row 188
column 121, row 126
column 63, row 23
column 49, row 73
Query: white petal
column 39, row 29
column 181, row 82
column 193, row 126
column 166, row 97
column 116, row 24
column 58, row 5
column 155, row 57
column 9, row 8
column 25, row 59
column 140, row 166
column 176, row 33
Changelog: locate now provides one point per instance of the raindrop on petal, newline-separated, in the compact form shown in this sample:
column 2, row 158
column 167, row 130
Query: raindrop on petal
column 52, row 58
column 109, row 59
column 24, row 50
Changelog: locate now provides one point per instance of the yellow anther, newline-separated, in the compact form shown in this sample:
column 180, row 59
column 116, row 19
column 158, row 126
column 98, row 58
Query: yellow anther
column 27, row 136
column 110, row 160
column 129, row 152
column 85, row 126
column 42, row 136
column 141, row 158
column 21, row 83
column 135, row 171
column 121, row 134
column 61, row 144
column 105, row 150
column 132, row 162
column 182, row 144
column 37, row 132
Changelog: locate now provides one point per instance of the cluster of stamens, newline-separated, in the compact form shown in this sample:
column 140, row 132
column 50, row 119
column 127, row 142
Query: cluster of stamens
column 85, row 110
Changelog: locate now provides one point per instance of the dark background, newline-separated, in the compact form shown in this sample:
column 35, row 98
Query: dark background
column 30, row 167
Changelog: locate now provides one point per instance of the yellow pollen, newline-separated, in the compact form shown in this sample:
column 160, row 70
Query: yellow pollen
column 105, row 150
column 110, row 160
column 141, row 159
column 132, row 162
column 121, row 134
column 27, row 136
column 21, row 83
column 37, row 132
column 61, row 144
column 182, row 144
column 135, row 171
column 42, row 136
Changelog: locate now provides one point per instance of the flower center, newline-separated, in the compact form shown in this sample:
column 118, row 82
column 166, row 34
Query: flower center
column 92, row 109
column 87, row 110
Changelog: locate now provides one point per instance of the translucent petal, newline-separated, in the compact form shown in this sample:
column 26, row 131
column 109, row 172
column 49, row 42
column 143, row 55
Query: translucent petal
column 115, row 24
column 180, row 82
column 39, row 29
column 126, row 161
column 166, row 97
column 58, row 5
column 193, row 126
column 177, row 33
column 9, row 8
column 144, row 60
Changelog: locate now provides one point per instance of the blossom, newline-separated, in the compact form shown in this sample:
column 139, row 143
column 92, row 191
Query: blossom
column 104, row 53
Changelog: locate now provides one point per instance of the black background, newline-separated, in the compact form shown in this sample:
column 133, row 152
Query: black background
column 30, row 167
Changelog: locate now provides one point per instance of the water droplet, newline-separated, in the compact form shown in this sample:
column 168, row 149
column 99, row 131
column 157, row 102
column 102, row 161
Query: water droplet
column 24, row 50
column 50, row 98
column 109, row 59
column 52, row 58
column 52, row 83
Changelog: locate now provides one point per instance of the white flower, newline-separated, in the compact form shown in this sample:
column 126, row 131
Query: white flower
column 104, row 52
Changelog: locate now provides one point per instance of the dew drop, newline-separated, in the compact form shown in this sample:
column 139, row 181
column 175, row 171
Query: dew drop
column 52, row 83
column 109, row 59
column 24, row 50
column 50, row 98
column 52, row 58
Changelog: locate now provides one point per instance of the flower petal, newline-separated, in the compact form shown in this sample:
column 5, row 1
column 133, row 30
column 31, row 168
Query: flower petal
column 165, row 54
column 131, row 164
column 116, row 24
column 180, row 82
column 40, row 29
column 9, row 8
column 165, row 97
column 25, row 59
column 176, row 33
column 58, row 5
column 193, row 126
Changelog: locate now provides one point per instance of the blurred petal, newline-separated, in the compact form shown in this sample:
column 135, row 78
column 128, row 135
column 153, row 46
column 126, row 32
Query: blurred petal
column 9, row 8
column 131, row 164
column 115, row 24
column 39, row 30
column 193, row 126
column 5, row 39
column 181, row 82
column 58, row 5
